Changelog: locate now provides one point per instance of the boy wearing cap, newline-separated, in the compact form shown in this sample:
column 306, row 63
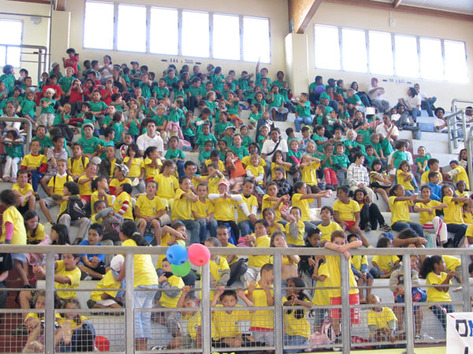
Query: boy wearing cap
column 122, row 205
column 120, row 173
column 100, row 299
column 47, row 103
column 89, row 142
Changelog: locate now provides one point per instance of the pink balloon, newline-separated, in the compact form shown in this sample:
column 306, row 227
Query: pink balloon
column 198, row 254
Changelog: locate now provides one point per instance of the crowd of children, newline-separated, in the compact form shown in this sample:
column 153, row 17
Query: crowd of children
column 110, row 152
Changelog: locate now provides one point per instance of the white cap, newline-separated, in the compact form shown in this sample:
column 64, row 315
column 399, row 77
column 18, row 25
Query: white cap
column 117, row 263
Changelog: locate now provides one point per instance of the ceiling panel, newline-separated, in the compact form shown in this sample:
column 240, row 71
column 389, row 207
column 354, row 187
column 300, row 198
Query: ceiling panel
column 461, row 6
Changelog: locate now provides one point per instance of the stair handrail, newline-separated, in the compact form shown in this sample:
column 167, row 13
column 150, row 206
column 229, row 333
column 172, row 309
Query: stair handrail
column 469, row 152
column 455, row 100
column 453, row 129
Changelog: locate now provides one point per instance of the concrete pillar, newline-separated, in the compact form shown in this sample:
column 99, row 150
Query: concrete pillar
column 60, row 34
column 297, row 62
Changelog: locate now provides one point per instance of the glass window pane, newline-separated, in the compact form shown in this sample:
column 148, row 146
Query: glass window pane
column 2, row 55
column 431, row 61
column 226, row 37
column 327, row 47
column 131, row 31
column 381, row 54
column 354, row 50
column 14, row 56
column 455, row 61
column 164, row 31
column 406, row 61
column 10, row 33
column 195, row 34
column 98, row 25
column 256, row 40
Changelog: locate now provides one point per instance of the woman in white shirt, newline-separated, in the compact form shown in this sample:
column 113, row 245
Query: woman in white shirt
column 412, row 103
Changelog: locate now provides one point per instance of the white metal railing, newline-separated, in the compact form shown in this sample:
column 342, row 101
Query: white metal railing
column 456, row 129
column 41, row 53
column 205, row 309
column 28, row 129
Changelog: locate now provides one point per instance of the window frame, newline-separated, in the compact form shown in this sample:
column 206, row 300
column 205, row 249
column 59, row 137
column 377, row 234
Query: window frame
column 179, row 27
column 17, row 45
column 393, row 45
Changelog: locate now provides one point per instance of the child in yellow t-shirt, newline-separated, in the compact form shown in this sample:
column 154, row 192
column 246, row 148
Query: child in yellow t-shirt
column 202, row 211
column 262, row 295
column 214, row 176
column 433, row 269
column 327, row 226
column 85, row 182
column 170, row 286
column 219, row 269
column 383, row 266
column 167, row 182
column 123, row 203
column 226, row 330
column 259, row 239
column 237, row 265
column 182, row 208
column 35, row 163
column 24, row 192
column 295, row 229
column 76, row 163
column 359, row 266
column 136, row 165
column 108, row 298
column 406, row 178
column 255, row 171
column 321, row 295
column 381, row 321
column 152, row 163
column 458, row 173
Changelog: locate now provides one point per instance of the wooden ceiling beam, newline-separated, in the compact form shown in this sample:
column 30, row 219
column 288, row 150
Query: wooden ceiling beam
column 405, row 8
column 43, row 2
column 301, row 13
column 60, row 5
column 396, row 3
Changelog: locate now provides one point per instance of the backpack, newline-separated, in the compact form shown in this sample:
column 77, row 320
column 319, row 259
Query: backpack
column 111, row 226
column 75, row 209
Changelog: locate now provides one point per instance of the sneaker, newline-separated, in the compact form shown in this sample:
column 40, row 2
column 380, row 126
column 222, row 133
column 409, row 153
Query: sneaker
column 385, row 228
column 77, row 241
column 460, row 288
column 368, row 228
column 418, row 337
column 158, row 348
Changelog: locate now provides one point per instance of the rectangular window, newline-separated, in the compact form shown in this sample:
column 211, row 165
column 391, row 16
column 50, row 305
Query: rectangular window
column 164, row 32
column 431, row 60
column 327, row 47
column 226, row 37
column 256, row 40
column 131, row 30
column 98, row 25
column 455, row 61
column 381, row 53
column 406, row 61
column 195, row 34
column 354, row 50
column 11, row 32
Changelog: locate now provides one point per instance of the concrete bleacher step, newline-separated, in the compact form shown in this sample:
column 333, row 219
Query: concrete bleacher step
column 431, row 146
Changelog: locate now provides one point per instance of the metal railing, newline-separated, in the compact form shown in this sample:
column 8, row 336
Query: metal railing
column 40, row 52
column 205, row 309
column 29, row 130
column 456, row 129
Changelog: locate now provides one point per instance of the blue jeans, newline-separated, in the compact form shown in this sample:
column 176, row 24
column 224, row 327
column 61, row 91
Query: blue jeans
column 427, row 105
column 415, row 113
column 35, row 177
column 439, row 312
column 143, row 300
column 299, row 341
column 180, row 168
column 193, row 227
column 246, row 227
column 459, row 231
column 399, row 226
column 204, row 225
column 299, row 120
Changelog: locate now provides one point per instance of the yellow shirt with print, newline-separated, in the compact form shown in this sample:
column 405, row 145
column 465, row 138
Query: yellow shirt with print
column 462, row 194
column 326, row 230
column 274, row 165
column 256, row 171
column 35, row 161
column 75, row 166
column 57, row 183
column 269, row 204
column 358, row 261
column 12, row 215
column 381, row 319
column 220, row 164
column 386, row 263
column 434, row 295
column 461, row 176
column 295, row 326
column 224, row 209
column 74, row 277
column 259, row 261
column 250, row 202
column 426, row 217
column 149, row 207
column 85, row 189
column 23, row 191
column 399, row 210
column 321, row 295
column 334, row 281
column 150, row 171
column 144, row 271
column 166, row 186
column 453, row 213
column 115, row 182
column 425, row 177
column 452, row 263
column 246, row 161
column 120, row 200
column 168, row 301
column 303, row 205
column 193, row 323
column 406, row 184
column 107, row 282
column 299, row 241
column 135, row 167
column 213, row 184
column 39, row 235
column 95, row 197
column 203, row 209
column 182, row 207
column 346, row 212
column 216, row 268
column 309, row 173
column 261, row 318
column 226, row 325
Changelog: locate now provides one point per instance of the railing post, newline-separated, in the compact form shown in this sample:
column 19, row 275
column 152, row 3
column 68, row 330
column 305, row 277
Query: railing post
column 466, row 282
column 129, row 303
column 449, row 132
column 206, row 310
column 346, row 312
column 49, row 318
column 278, row 310
column 409, row 309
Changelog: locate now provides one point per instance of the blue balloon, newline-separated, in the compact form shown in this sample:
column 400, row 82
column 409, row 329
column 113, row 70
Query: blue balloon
column 177, row 254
